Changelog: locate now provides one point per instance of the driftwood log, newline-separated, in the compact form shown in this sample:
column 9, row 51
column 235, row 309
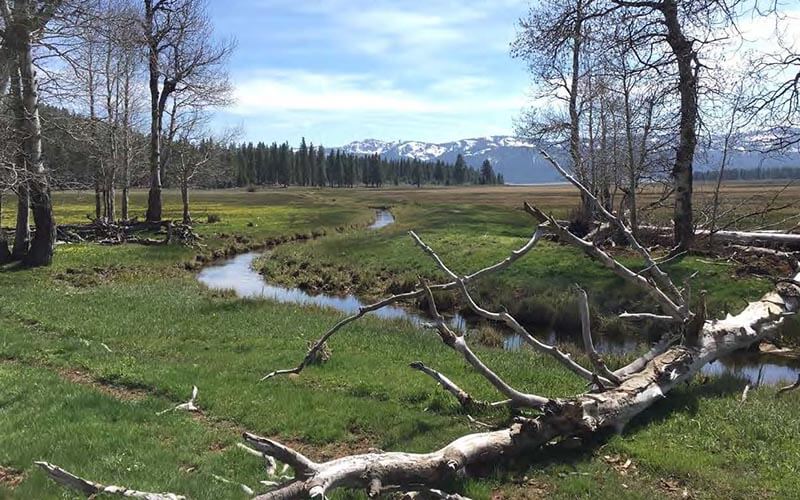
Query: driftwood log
column 615, row 396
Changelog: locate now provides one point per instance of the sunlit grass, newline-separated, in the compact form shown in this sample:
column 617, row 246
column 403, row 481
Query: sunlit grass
column 167, row 333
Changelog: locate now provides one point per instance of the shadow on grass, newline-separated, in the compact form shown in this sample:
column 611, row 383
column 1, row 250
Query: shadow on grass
column 686, row 400
column 571, row 453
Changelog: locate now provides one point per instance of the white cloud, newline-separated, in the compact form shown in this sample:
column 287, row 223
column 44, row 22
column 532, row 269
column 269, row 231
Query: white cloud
column 305, row 91
column 324, row 93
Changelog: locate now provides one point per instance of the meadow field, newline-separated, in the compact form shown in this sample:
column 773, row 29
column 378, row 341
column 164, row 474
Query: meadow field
column 95, row 348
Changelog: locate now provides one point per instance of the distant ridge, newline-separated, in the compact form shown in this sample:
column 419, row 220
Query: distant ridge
column 520, row 163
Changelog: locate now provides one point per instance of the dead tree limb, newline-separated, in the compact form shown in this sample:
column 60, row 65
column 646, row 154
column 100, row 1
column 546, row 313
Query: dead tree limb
column 506, row 318
column 638, row 316
column 463, row 397
column 768, row 239
column 670, row 307
column 586, row 331
column 415, row 294
column 788, row 388
column 459, row 344
column 661, row 278
column 89, row 488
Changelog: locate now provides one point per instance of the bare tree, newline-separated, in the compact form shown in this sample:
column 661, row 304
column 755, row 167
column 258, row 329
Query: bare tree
column 105, row 63
column 24, row 20
column 776, row 72
column 182, row 57
column 552, row 41
column 197, row 152
column 668, row 38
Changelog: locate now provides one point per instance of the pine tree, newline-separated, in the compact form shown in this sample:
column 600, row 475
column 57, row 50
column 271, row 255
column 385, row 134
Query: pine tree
column 460, row 170
column 322, row 169
column 312, row 165
column 284, row 165
column 487, row 173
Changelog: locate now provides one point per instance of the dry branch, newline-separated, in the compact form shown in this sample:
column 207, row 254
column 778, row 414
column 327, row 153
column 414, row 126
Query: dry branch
column 586, row 331
column 460, row 394
column 415, row 294
column 506, row 318
column 675, row 310
column 187, row 406
column 661, row 278
column 459, row 344
column 90, row 488
column 789, row 388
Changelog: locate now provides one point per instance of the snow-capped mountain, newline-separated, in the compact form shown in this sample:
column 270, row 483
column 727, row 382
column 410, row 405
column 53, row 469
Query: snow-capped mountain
column 520, row 163
column 515, row 159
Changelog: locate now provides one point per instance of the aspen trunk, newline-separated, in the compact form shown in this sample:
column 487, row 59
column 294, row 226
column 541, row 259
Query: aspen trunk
column 687, row 137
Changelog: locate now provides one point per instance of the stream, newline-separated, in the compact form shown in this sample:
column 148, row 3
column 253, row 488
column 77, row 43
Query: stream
column 238, row 275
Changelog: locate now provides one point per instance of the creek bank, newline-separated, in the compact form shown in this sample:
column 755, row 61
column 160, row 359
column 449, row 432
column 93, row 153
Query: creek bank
column 237, row 274
column 238, row 244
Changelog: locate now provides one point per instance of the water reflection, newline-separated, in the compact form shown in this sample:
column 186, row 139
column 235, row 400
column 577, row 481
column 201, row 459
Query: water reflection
column 237, row 274
column 382, row 219
column 756, row 369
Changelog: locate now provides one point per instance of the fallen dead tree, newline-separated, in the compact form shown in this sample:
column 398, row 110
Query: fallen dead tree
column 134, row 232
column 767, row 239
column 690, row 341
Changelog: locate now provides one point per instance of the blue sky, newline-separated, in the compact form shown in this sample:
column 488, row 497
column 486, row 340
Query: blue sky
column 336, row 71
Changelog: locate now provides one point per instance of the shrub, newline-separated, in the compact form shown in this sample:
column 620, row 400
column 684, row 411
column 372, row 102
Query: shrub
column 488, row 335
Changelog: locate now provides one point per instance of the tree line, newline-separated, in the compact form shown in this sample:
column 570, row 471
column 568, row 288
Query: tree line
column 244, row 164
column 632, row 84
column 309, row 165
column 749, row 174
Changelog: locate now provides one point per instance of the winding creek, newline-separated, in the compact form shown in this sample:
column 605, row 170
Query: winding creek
column 238, row 275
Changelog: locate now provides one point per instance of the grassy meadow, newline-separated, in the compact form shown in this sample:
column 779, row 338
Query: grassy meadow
column 96, row 347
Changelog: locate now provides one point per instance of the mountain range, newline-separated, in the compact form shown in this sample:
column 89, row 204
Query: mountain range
column 520, row 163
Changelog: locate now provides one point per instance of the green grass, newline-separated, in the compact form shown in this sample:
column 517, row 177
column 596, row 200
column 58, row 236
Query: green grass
column 167, row 333
column 538, row 289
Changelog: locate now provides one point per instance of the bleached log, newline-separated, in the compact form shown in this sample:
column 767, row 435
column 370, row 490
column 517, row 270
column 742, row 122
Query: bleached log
column 90, row 488
column 581, row 415
column 790, row 256
column 748, row 238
